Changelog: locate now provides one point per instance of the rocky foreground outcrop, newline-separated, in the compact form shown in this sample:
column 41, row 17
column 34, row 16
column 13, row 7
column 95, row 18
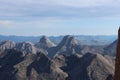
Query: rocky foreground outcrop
column 46, row 69
column 8, row 60
column 117, row 65
column 89, row 67
column 16, row 65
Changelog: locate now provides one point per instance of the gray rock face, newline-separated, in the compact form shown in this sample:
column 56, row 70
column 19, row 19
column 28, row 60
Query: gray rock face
column 92, row 49
column 44, row 43
column 40, row 67
column 27, row 47
column 60, row 60
column 67, row 61
column 67, row 46
column 68, row 41
column 7, row 64
column 89, row 67
column 62, row 67
column 111, row 49
column 7, row 45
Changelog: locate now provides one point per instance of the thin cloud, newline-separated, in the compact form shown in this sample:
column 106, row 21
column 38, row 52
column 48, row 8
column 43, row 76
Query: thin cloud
column 58, row 8
column 5, row 23
column 57, row 16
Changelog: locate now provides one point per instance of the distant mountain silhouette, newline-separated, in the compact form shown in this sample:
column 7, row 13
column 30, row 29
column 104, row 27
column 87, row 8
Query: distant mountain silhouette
column 82, row 39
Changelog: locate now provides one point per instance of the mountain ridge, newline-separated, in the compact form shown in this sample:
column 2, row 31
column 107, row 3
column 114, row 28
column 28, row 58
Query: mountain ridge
column 84, row 39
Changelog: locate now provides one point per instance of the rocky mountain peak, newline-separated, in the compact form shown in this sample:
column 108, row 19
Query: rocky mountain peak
column 27, row 47
column 46, row 40
column 67, row 46
column 45, row 43
column 43, row 65
column 7, row 44
column 68, row 41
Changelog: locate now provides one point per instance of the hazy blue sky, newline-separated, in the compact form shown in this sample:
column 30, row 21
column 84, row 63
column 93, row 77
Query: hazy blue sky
column 59, row 17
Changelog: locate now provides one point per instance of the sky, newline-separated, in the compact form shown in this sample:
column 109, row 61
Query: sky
column 59, row 17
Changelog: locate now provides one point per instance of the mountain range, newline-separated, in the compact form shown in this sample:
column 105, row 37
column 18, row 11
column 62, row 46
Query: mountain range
column 67, row 60
column 82, row 39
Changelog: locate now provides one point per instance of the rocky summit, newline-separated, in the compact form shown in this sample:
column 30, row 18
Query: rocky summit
column 68, row 46
column 27, row 47
column 45, row 43
column 7, row 45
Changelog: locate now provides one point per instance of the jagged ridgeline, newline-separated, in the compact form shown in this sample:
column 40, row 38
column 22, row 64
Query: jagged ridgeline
column 45, row 60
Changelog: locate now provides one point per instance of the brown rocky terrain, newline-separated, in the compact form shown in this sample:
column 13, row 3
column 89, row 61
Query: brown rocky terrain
column 117, row 65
